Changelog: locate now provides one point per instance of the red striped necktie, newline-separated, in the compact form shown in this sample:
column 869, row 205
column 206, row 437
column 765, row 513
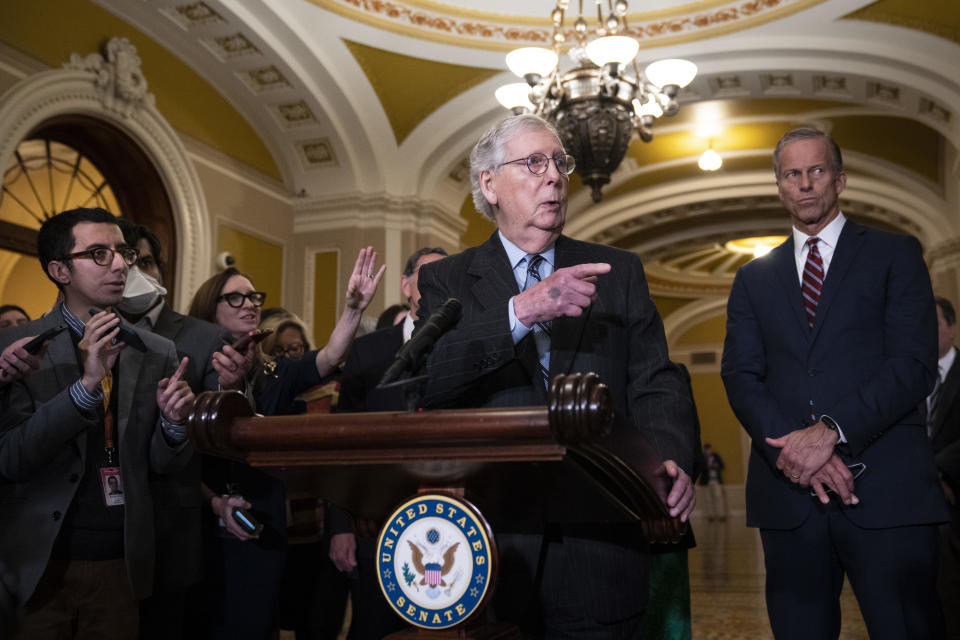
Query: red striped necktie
column 812, row 279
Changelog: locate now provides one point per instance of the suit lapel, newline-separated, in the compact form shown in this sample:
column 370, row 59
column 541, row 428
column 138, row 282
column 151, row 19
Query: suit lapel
column 130, row 363
column 168, row 323
column 848, row 245
column 61, row 357
column 493, row 274
column 785, row 265
column 566, row 331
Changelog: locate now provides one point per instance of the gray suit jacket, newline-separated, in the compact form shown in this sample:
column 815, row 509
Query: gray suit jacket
column 43, row 446
column 177, row 498
column 620, row 337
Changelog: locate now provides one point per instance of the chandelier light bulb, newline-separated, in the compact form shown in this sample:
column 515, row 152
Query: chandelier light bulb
column 515, row 95
column 649, row 108
column 532, row 60
column 618, row 49
column 710, row 160
column 672, row 71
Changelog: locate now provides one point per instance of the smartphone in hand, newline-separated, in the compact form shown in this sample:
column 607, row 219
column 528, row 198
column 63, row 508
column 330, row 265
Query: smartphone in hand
column 256, row 336
column 34, row 346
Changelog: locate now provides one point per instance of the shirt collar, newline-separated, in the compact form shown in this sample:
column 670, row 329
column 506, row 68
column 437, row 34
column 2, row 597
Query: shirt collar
column 154, row 314
column 944, row 363
column 407, row 327
column 76, row 325
column 829, row 235
column 515, row 254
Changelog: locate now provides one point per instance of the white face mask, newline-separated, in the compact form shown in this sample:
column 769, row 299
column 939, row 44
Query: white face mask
column 141, row 293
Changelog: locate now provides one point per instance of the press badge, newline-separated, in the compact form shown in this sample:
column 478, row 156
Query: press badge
column 112, row 485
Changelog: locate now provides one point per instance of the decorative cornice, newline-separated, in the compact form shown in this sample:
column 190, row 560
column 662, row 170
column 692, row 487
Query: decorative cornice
column 449, row 25
column 366, row 211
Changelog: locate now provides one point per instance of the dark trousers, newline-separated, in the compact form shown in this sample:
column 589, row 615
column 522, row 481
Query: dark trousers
column 313, row 596
column 589, row 589
column 892, row 571
column 84, row 600
column 948, row 580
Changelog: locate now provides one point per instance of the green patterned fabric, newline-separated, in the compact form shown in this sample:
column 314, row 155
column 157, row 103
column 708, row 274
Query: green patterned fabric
column 668, row 610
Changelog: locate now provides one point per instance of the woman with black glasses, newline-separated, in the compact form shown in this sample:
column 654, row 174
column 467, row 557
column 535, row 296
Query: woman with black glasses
column 243, row 572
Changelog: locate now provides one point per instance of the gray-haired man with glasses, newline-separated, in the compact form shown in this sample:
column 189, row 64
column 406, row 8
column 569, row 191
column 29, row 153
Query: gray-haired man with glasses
column 536, row 304
column 92, row 411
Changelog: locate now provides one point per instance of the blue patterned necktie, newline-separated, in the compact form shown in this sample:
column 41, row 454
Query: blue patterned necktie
column 541, row 330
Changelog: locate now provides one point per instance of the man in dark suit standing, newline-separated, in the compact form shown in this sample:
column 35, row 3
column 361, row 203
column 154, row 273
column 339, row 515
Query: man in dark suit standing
column 177, row 498
column 369, row 358
column 536, row 304
column 96, row 408
column 830, row 348
column 942, row 408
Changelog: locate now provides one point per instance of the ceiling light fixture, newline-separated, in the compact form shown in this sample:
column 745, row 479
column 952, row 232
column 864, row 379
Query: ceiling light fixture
column 710, row 160
column 596, row 105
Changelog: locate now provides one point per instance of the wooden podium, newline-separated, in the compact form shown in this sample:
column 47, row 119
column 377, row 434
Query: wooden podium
column 563, row 463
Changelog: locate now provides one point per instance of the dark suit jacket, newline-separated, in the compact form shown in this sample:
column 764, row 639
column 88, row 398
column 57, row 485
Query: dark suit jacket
column 620, row 337
column 177, row 498
column 946, row 426
column 43, row 445
column 369, row 358
column 868, row 361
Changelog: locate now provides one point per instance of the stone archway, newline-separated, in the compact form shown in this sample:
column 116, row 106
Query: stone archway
column 100, row 104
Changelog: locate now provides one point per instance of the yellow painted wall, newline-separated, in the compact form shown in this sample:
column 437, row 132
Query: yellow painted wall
column 710, row 331
column 261, row 259
column 718, row 425
column 23, row 283
column 478, row 227
column 325, row 299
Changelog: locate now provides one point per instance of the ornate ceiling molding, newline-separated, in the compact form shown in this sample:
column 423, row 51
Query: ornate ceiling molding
column 450, row 25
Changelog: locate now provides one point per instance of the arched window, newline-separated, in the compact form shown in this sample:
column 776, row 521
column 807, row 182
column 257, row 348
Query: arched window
column 89, row 135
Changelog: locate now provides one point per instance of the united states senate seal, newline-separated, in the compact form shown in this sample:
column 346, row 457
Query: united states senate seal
column 435, row 561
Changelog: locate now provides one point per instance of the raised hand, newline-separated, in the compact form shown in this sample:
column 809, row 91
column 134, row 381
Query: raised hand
column 174, row 396
column 98, row 352
column 364, row 280
column 566, row 292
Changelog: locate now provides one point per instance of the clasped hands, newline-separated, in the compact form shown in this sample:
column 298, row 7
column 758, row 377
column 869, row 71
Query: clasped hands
column 807, row 458
column 565, row 292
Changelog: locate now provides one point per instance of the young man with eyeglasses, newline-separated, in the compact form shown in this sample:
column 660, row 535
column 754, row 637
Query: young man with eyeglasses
column 536, row 304
column 94, row 409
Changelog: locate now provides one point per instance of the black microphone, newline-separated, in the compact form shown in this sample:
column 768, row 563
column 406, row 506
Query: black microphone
column 408, row 357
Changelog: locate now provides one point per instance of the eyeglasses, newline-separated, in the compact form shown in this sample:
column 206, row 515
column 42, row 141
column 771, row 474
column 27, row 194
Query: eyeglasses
column 292, row 351
column 235, row 299
column 103, row 256
column 537, row 163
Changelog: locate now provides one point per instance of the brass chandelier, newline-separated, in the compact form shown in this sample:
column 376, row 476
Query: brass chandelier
column 598, row 103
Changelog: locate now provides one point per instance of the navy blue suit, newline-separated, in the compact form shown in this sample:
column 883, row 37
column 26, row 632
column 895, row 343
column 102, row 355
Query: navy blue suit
column 867, row 362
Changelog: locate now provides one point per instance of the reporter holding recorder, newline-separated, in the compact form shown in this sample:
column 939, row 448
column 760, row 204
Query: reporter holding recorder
column 93, row 408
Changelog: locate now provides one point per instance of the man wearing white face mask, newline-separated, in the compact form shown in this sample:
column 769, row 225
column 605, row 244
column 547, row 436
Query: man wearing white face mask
column 178, row 499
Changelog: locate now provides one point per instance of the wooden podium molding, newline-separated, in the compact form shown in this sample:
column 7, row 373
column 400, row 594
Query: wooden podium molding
column 369, row 462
